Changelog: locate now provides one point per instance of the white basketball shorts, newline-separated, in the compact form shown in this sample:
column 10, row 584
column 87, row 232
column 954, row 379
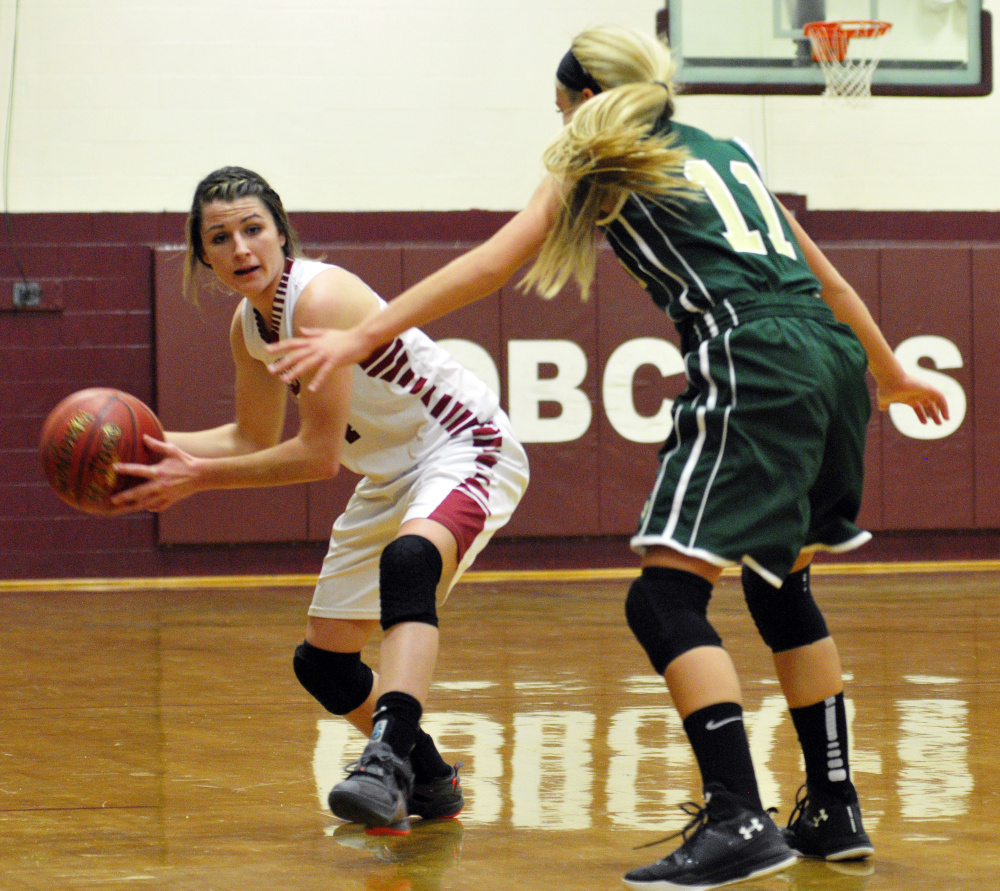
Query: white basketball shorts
column 471, row 485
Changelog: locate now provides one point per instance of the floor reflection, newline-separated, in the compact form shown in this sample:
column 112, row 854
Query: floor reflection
column 160, row 738
column 417, row 862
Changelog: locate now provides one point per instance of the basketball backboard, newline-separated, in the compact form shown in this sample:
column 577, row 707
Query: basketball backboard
column 934, row 48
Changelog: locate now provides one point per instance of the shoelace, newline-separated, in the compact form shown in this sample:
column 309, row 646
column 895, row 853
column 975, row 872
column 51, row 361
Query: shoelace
column 358, row 767
column 355, row 767
column 699, row 817
column 801, row 802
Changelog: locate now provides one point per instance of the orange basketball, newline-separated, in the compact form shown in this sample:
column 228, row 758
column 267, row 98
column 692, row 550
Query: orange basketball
column 85, row 435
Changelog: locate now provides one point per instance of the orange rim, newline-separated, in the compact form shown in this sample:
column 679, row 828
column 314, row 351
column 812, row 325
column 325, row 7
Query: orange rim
column 830, row 39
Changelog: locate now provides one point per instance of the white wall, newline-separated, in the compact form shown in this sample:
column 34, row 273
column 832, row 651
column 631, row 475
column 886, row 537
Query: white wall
column 889, row 154
column 122, row 105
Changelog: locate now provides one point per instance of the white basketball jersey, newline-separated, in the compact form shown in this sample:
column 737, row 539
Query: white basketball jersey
column 408, row 397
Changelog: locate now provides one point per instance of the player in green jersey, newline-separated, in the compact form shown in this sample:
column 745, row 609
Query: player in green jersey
column 763, row 466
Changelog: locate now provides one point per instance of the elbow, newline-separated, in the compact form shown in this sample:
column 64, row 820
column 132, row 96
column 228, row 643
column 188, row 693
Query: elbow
column 325, row 465
column 319, row 455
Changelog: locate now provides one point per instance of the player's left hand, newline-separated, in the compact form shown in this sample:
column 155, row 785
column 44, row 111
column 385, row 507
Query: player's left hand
column 169, row 480
column 928, row 402
column 317, row 352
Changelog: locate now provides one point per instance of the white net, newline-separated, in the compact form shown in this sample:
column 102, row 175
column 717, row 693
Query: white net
column 847, row 53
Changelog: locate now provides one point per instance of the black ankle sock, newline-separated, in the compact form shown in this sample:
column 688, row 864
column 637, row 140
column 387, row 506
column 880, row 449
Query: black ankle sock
column 822, row 732
column 396, row 721
column 720, row 744
column 426, row 760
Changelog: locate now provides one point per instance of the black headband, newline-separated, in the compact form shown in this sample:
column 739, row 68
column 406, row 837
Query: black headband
column 572, row 75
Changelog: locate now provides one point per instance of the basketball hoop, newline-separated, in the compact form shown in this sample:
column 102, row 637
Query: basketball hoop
column 846, row 78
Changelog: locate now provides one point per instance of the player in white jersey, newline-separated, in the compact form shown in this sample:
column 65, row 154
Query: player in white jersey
column 441, row 472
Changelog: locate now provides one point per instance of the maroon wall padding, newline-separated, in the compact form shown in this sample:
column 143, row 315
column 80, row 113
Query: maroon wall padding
column 985, row 402
column 921, row 273
column 479, row 322
column 929, row 484
column 556, row 503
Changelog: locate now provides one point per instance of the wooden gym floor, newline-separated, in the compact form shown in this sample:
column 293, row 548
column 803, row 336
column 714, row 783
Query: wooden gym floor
column 153, row 736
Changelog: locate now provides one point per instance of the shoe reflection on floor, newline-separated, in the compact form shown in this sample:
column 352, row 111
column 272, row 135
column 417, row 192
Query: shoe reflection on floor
column 414, row 862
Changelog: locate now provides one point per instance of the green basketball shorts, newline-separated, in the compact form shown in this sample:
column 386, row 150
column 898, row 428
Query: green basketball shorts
column 766, row 456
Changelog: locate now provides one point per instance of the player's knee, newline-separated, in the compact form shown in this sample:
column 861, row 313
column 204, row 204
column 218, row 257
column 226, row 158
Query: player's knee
column 786, row 617
column 340, row 682
column 409, row 573
column 667, row 610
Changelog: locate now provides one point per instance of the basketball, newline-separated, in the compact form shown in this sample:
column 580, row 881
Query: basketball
column 85, row 435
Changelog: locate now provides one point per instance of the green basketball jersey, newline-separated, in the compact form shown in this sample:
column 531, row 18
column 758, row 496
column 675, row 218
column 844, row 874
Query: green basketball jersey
column 733, row 247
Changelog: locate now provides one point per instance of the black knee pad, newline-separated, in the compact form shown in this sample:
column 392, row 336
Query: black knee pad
column 667, row 611
column 340, row 682
column 786, row 617
column 409, row 572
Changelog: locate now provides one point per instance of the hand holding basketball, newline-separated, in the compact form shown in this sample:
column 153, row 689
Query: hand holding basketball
column 157, row 486
column 85, row 436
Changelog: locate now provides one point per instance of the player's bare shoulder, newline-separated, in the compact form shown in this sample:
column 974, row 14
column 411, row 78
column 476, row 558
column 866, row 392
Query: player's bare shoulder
column 335, row 298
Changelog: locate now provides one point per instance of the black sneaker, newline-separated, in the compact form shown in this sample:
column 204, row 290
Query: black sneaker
column 824, row 828
column 725, row 842
column 375, row 792
column 441, row 797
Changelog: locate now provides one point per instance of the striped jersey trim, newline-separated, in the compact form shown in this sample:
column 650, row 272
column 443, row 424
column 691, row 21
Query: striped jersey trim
column 392, row 365
column 278, row 304
column 271, row 333
column 488, row 441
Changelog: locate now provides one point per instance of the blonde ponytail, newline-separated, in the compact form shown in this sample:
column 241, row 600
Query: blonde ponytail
column 607, row 152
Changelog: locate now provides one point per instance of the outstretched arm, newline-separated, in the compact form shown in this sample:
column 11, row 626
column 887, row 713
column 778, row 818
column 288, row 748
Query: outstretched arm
column 470, row 277
column 893, row 382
